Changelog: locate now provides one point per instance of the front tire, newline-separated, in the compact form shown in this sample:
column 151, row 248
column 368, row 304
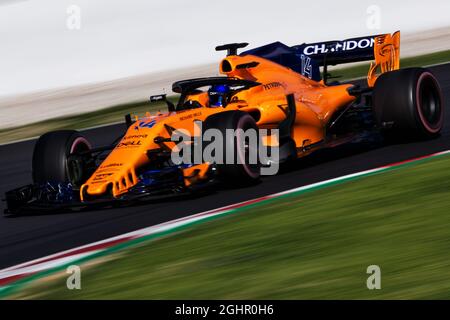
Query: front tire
column 241, row 171
column 52, row 157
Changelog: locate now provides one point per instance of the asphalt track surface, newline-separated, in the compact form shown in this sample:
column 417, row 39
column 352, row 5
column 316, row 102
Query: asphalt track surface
column 24, row 238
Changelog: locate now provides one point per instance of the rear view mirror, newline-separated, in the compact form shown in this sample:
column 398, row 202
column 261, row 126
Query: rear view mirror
column 158, row 97
column 163, row 97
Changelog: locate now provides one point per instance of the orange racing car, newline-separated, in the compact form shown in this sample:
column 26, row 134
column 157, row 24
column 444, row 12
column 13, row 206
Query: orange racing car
column 282, row 92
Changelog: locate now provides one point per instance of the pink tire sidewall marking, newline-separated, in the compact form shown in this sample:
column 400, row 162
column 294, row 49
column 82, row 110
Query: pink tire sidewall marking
column 77, row 142
column 239, row 126
column 423, row 120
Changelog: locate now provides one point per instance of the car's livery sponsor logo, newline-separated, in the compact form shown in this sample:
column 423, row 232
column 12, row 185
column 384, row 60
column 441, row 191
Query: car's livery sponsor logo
column 126, row 144
column 272, row 85
column 386, row 49
column 306, row 66
column 135, row 136
column 107, row 170
column 147, row 124
column 339, row 46
column 190, row 116
column 110, row 165
column 101, row 176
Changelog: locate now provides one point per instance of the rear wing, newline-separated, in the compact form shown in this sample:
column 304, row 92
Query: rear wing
column 306, row 59
column 384, row 49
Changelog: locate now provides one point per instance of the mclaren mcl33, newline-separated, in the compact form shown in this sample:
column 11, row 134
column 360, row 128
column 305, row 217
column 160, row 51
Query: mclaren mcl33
column 281, row 92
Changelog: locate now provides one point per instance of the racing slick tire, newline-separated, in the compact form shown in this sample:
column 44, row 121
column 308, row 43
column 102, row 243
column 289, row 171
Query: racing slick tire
column 408, row 103
column 55, row 157
column 241, row 171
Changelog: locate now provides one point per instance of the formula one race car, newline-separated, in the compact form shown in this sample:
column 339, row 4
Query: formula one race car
column 284, row 90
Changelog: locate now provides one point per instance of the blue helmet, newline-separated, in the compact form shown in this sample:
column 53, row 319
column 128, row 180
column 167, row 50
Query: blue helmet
column 218, row 95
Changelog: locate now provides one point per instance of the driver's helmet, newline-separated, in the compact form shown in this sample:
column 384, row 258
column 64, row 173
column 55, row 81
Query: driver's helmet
column 218, row 95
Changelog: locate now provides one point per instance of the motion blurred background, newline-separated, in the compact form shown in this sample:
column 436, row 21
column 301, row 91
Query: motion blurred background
column 73, row 64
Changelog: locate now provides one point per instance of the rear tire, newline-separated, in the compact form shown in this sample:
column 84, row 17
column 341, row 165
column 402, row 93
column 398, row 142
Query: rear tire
column 242, row 172
column 52, row 157
column 409, row 103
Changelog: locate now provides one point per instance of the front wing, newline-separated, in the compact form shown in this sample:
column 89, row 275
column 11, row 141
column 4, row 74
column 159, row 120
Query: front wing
column 153, row 184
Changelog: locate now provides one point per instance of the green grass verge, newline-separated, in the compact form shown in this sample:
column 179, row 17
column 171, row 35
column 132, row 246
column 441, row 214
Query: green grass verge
column 116, row 113
column 317, row 245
